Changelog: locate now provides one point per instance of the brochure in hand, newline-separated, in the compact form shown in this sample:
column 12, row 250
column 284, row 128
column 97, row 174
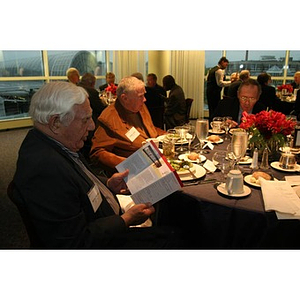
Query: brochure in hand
column 151, row 177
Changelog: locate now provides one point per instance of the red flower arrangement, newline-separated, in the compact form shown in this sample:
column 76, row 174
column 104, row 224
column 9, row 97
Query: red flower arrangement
column 111, row 88
column 267, row 129
column 288, row 87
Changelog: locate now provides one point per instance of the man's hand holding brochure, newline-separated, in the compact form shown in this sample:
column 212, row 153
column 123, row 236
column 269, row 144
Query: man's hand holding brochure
column 151, row 177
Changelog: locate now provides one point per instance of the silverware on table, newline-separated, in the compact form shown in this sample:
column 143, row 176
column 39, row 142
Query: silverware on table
column 199, row 182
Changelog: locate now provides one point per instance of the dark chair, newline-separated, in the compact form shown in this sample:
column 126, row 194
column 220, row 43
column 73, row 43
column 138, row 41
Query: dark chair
column 189, row 102
column 16, row 198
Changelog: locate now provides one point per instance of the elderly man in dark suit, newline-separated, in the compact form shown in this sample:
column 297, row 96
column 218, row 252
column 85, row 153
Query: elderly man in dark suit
column 67, row 205
column 247, row 100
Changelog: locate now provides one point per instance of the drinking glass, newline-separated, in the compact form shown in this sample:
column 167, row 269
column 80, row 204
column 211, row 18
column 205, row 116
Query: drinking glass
column 227, row 121
column 181, row 131
column 172, row 136
column 239, row 144
column 201, row 132
column 190, row 135
column 221, row 161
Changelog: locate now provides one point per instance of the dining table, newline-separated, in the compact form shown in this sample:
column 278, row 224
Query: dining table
column 224, row 222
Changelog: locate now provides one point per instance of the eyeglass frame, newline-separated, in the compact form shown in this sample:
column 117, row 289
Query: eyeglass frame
column 250, row 99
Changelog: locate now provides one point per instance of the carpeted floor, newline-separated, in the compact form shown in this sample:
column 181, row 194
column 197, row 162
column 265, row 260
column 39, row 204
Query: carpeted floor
column 12, row 231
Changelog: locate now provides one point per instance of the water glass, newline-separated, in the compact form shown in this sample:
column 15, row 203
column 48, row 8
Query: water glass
column 221, row 161
column 190, row 135
column 239, row 144
column 201, row 131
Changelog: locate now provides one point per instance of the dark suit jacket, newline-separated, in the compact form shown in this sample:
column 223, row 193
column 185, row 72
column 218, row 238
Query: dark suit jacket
column 155, row 104
column 104, row 86
column 233, row 88
column 231, row 107
column 95, row 102
column 54, row 189
column 175, row 107
column 268, row 97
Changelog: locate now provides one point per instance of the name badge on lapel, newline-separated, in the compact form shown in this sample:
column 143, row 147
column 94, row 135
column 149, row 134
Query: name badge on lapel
column 95, row 197
column 132, row 134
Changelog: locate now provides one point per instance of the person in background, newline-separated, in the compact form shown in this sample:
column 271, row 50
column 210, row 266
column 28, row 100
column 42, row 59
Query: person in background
column 233, row 78
column 88, row 81
column 110, row 79
column 123, row 126
column 73, row 75
column 296, row 83
column 296, row 111
column 68, row 206
column 215, row 83
column 175, row 104
column 138, row 75
column 247, row 100
column 268, row 93
column 233, row 87
column 155, row 95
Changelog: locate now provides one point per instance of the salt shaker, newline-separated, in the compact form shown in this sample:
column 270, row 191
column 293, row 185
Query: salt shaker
column 265, row 160
column 254, row 164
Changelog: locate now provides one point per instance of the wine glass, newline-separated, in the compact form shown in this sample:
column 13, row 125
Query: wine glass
column 181, row 131
column 239, row 144
column 190, row 135
column 201, row 132
column 227, row 121
column 221, row 161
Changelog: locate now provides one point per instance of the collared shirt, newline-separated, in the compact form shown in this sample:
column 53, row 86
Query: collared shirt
column 240, row 115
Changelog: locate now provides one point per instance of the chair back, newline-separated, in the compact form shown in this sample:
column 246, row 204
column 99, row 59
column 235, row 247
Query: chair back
column 17, row 199
column 189, row 102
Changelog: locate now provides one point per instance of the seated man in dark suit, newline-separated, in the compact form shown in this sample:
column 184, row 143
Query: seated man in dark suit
column 268, row 93
column 68, row 206
column 155, row 101
column 247, row 100
column 110, row 79
column 88, row 81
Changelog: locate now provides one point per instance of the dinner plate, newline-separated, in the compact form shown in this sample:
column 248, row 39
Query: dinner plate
column 199, row 172
column 186, row 172
column 184, row 156
column 218, row 142
column 247, row 179
column 219, row 132
column 161, row 137
column 246, row 162
column 275, row 165
column 290, row 149
column 221, row 188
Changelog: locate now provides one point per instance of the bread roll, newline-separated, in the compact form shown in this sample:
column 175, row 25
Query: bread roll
column 264, row 175
column 213, row 138
column 193, row 156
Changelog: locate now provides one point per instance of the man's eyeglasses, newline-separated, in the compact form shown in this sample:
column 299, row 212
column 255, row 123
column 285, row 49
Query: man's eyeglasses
column 250, row 99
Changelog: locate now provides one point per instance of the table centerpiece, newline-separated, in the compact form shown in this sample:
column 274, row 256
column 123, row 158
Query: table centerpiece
column 267, row 129
column 285, row 89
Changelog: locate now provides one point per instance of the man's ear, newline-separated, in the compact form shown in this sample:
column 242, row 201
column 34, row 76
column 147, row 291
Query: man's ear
column 54, row 124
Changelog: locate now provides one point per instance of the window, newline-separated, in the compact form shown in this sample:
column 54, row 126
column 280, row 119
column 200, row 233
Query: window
column 272, row 62
column 22, row 73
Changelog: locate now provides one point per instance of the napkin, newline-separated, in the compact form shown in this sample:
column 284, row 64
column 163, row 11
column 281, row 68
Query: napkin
column 209, row 145
column 293, row 180
column 280, row 196
column 210, row 166
column 126, row 202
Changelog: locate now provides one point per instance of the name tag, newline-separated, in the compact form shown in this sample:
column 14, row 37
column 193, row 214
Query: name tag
column 95, row 197
column 132, row 134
